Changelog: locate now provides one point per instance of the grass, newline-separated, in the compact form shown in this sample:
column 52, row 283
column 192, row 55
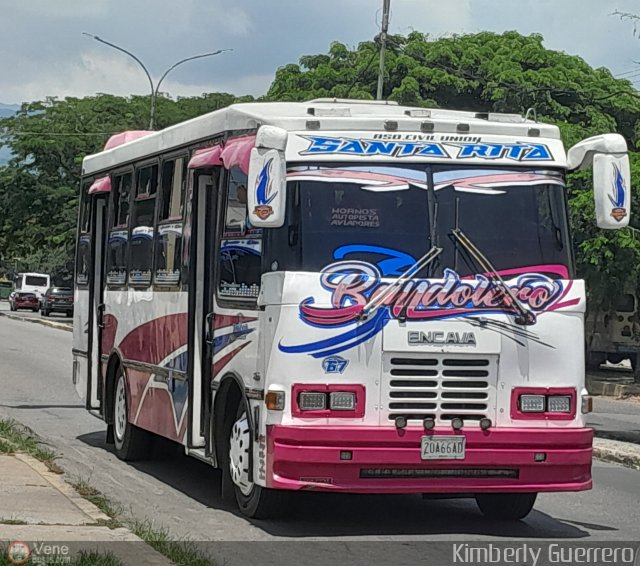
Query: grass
column 83, row 558
column 101, row 502
column 15, row 437
column 180, row 552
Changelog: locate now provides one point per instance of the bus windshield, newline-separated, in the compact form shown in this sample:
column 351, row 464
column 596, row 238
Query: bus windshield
column 390, row 216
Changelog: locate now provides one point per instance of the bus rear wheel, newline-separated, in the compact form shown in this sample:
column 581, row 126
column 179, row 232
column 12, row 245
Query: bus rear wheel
column 253, row 500
column 506, row 506
column 131, row 443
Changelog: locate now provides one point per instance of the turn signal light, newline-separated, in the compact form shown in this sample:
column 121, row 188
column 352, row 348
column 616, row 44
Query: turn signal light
column 587, row 404
column 274, row 400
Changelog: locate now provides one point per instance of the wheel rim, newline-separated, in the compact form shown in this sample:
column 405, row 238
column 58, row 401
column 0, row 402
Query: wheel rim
column 239, row 443
column 120, row 410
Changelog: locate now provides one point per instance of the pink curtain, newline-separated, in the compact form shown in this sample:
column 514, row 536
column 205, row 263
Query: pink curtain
column 101, row 185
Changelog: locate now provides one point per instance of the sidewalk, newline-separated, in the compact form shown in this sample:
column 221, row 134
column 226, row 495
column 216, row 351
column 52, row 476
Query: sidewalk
column 37, row 505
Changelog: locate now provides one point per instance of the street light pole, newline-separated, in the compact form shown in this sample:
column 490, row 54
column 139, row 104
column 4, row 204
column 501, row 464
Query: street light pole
column 386, row 7
column 155, row 89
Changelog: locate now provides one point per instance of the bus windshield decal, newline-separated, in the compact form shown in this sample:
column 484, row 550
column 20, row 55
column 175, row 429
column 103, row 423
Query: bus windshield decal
column 353, row 283
column 519, row 151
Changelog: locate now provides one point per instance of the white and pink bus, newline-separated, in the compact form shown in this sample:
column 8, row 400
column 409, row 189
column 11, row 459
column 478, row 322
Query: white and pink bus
column 344, row 296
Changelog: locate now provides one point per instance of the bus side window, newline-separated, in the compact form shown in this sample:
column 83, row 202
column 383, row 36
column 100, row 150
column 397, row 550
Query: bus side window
column 118, row 242
column 241, row 246
column 121, row 196
column 143, row 215
column 83, row 248
column 168, row 237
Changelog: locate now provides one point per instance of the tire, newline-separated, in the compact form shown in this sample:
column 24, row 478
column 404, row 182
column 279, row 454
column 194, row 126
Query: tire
column 35, row 310
column 254, row 501
column 68, row 314
column 131, row 443
column 506, row 506
column 615, row 358
column 44, row 312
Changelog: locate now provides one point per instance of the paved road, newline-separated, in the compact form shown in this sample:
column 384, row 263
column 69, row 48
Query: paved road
column 182, row 494
column 55, row 316
column 616, row 419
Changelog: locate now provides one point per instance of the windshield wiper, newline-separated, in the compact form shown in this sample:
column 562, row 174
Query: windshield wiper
column 524, row 316
column 425, row 260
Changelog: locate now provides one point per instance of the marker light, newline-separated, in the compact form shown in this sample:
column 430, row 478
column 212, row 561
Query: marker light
column 310, row 401
column 559, row 404
column 457, row 423
column 429, row 423
column 401, row 422
column 532, row 403
column 485, row 423
column 342, row 401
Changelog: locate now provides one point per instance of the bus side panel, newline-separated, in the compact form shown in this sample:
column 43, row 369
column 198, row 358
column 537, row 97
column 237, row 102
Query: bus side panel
column 151, row 338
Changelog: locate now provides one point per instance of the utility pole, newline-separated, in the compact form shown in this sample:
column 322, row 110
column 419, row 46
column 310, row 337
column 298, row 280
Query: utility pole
column 386, row 8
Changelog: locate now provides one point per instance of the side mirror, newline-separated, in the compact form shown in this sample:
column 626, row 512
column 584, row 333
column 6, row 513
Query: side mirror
column 607, row 154
column 611, row 190
column 267, row 183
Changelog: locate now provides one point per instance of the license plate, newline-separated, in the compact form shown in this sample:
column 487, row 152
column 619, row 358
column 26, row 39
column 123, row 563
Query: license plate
column 443, row 447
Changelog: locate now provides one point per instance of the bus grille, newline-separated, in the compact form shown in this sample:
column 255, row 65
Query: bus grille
column 440, row 386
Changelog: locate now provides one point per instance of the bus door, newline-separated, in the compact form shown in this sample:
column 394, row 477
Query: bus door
column 201, row 276
column 96, row 301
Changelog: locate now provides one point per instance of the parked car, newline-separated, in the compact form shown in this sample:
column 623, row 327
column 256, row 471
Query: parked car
column 57, row 299
column 24, row 300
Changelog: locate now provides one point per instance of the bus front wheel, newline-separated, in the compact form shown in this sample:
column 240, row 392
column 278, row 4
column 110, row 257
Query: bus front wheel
column 506, row 506
column 253, row 500
column 131, row 443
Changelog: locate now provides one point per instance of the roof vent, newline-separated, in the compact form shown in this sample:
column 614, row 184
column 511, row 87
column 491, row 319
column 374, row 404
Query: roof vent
column 418, row 113
column 349, row 101
column 329, row 112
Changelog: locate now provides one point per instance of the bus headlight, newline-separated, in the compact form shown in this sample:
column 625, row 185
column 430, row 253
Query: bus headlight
column 559, row 404
column 532, row 403
column 342, row 401
column 312, row 401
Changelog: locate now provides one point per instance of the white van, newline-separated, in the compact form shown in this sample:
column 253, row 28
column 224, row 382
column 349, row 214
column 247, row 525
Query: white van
column 37, row 283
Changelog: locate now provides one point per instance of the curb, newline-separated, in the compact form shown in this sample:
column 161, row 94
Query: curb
column 617, row 452
column 48, row 323
column 63, row 487
column 609, row 389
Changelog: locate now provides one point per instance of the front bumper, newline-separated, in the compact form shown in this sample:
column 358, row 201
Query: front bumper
column 386, row 460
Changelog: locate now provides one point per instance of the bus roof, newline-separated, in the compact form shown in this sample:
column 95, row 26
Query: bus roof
column 315, row 116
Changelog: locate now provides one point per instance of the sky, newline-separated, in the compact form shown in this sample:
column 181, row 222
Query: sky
column 43, row 51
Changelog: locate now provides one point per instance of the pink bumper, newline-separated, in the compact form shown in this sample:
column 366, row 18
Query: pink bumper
column 384, row 460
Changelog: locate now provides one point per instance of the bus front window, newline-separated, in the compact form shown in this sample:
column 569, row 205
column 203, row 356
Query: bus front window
column 391, row 216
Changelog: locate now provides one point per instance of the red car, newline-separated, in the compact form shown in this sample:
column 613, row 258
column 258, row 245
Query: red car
column 23, row 300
